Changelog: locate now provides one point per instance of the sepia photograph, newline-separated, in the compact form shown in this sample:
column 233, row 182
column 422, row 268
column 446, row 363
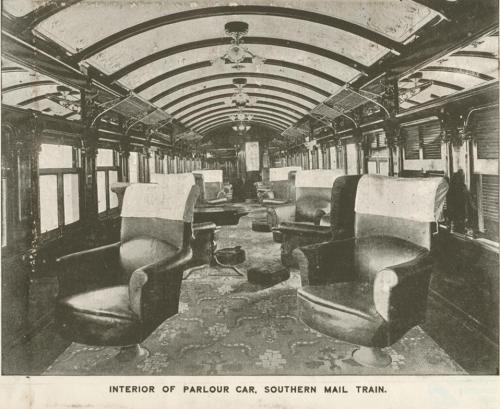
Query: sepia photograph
column 278, row 202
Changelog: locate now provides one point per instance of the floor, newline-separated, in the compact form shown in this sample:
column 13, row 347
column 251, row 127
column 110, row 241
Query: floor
column 39, row 349
column 227, row 325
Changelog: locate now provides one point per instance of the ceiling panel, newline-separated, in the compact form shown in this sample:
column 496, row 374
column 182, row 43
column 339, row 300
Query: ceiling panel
column 221, row 95
column 266, row 70
column 117, row 57
column 234, row 111
column 140, row 76
column 204, row 89
column 207, row 127
column 49, row 107
column 19, row 8
column 70, row 27
column 267, row 108
column 459, row 70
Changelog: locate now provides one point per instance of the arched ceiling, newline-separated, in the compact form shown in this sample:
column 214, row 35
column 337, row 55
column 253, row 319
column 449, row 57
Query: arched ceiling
column 301, row 52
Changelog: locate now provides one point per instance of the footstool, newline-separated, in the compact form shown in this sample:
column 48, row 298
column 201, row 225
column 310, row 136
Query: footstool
column 261, row 225
column 268, row 274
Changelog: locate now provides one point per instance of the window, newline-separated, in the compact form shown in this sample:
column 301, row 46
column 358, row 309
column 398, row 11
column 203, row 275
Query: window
column 425, row 137
column 133, row 166
column 352, row 159
column 159, row 163
column 430, row 133
column 107, row 174
column 325, row 152
column 315, row 158
column 151, row 163
column 412, row 142
column 377, row 158
column 305, row 160
column 59, row 186
column 484, row 129
column 4, row 208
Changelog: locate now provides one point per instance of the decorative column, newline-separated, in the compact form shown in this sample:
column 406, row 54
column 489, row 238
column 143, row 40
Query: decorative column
column 90, row 137
column 146, row 151
column 124, row 154
column 392, row 133
column 34, row 127
column 453, row 135
column 390, row 101
column 358, row 141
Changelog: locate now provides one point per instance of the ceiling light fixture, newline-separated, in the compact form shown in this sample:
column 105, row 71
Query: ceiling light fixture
column 237, row 54
column 240, row 98
column 242, row 126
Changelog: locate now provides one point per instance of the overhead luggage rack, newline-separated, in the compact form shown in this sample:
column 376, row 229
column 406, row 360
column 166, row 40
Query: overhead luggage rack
column 294, row 132
column 189, row 136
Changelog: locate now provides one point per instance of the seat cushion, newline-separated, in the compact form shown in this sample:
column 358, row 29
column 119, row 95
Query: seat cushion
column 343, row 311
column 311, row 208
column 374, row 253
column 100, row 317
column 142, row 251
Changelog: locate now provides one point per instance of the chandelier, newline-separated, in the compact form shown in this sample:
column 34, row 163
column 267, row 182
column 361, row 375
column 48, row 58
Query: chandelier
column 240, row 98
column 241, row 116
column 237, row 53
column 242, row 119
column 241, row 127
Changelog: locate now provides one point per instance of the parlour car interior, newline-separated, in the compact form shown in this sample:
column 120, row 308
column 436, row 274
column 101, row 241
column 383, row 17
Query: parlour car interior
column 206, row 189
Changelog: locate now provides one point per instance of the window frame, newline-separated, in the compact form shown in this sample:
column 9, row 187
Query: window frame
column 109, row 212
column 77, row 169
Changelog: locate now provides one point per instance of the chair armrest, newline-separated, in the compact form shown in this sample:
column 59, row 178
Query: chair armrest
column 275, row 202
column 154, row 289
column 217, row 201
column 88, row 269
column 325, row 220
column 400, row 291
column 280, row 213
column 328, row 262
column 204, row 226
column 305, row 229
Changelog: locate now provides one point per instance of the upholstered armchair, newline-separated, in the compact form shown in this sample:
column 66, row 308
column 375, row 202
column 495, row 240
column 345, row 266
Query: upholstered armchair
column 118, row 294
column 213, row 191
column 281, row 186
column 371, row 289
column 331, row 223
column 312, row 198
column 203, row 241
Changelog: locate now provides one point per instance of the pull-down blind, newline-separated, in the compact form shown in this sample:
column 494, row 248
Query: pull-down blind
column 485, row 132
column 430, row 132
column 412, row 142
column 426, row 135
column 490, row 196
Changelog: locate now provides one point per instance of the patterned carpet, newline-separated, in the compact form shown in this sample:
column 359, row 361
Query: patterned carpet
column 227, row 326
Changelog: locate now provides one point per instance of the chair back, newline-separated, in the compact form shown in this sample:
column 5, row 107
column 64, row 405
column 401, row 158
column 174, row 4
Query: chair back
column 156, row 220
column 313, row 190
column 343, row 197
column 406, row 208
column 212, row 182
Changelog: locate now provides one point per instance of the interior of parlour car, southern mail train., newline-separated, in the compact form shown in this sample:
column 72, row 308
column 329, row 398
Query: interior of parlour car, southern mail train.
column 249, row 187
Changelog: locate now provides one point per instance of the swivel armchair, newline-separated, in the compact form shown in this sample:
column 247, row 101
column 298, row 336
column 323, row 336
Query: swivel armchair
column 334, row 222
column 117, row 294
column 281, row 186
column 371, row 289
column 213, row 191
column 312, row 199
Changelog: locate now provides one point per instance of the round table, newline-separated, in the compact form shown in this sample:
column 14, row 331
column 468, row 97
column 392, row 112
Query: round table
column 225, row 215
